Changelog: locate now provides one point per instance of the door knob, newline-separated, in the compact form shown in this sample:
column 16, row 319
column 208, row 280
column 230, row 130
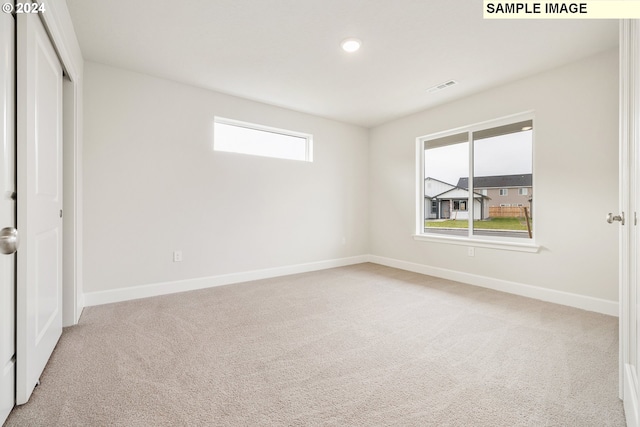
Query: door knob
column 611, row 217
column 9, row 240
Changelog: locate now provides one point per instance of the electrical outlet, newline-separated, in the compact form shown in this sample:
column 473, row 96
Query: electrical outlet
column 471, row 251
column 177, row 256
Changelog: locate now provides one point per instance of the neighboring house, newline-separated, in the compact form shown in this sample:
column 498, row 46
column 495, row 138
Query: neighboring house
column 452, row 204
column 447, row 201
column 433, row 187
column 503, row 190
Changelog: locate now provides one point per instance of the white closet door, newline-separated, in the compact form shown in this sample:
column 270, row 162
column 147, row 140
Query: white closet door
column 39, row 166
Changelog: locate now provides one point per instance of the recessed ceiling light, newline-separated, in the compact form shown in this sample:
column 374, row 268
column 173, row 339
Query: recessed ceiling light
column 527, row 127
column 350, row 45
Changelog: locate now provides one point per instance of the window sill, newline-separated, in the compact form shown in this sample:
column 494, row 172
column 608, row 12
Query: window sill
column 479, row 243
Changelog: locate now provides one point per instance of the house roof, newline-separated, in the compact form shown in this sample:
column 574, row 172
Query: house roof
column 502, row 181
column 457, row 193
column 437, row 188
column 437, row 180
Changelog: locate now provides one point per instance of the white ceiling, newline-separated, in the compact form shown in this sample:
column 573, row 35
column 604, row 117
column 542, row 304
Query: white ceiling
column 287, row 52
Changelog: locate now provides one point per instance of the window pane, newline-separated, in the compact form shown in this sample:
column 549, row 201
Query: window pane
column 446, row 160
column 244, row 139
column 503, row 181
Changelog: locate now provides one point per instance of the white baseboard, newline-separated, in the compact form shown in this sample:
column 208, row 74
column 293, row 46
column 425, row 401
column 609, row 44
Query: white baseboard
column 550, row 295
column 156, row 289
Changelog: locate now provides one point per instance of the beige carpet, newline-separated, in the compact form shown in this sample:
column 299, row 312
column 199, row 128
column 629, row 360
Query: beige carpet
column 363, row 345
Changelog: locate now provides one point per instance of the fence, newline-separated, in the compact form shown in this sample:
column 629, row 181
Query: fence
column 503, row 211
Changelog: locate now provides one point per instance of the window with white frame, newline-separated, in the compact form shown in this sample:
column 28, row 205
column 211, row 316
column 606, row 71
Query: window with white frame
column 469, row 161
column 459, row 205
column 248, row 138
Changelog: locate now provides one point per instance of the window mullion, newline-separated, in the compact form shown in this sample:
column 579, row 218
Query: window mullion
column 470, row 205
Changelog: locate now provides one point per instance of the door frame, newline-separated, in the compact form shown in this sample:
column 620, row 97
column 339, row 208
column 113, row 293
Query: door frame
column 8, row 215
column 57, row 22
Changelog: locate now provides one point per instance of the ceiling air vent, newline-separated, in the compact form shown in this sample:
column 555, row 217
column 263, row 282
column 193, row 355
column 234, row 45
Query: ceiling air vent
column 441, row 86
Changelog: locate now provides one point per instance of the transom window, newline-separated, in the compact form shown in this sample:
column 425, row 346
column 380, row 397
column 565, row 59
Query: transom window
column 465, row 176
column 247, row 138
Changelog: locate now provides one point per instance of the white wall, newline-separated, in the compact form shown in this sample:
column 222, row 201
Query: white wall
column 152, row 184
column 576, row 181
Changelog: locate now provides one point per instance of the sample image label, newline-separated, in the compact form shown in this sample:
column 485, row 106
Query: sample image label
column 588, row 9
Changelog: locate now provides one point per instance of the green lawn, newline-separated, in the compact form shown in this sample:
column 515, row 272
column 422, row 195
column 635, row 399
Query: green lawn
column 488, row 224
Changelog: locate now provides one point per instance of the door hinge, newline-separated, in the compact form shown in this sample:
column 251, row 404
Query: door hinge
column 60, row 213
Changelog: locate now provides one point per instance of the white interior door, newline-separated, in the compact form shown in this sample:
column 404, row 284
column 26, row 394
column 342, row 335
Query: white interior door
column 7, row 213
column 39, row 167
column 629, row 208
